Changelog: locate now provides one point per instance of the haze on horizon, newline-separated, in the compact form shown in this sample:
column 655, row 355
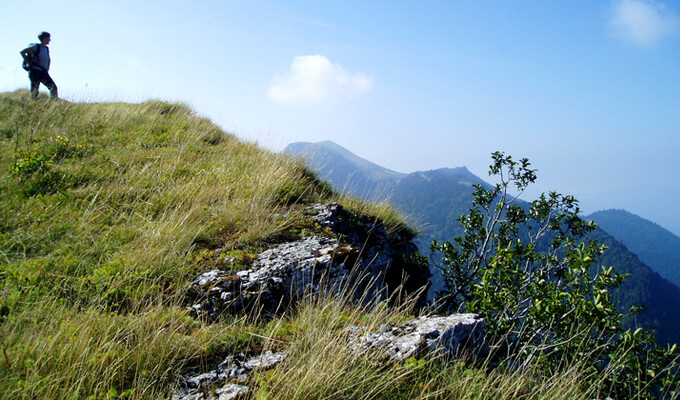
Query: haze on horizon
column 588, row 91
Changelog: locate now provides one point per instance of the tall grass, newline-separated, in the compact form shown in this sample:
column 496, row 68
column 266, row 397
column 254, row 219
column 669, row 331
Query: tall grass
column 105, row 210
column 321, row 365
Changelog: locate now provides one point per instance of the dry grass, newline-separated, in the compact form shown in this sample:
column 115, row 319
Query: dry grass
column 320, row 365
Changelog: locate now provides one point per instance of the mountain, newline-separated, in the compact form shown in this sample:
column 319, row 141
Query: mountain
column 109, row 211
column 346, row 171
column 431, row 193
column 440, row 195
column 654, row 245
column 433, row 201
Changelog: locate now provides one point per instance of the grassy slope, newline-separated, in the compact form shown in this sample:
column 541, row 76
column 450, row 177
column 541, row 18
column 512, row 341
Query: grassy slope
column 107, row 211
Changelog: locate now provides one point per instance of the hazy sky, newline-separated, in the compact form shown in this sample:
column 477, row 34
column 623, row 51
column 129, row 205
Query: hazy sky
column 588, row 90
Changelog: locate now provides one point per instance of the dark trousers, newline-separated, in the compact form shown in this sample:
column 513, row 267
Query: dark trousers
column 38, row 76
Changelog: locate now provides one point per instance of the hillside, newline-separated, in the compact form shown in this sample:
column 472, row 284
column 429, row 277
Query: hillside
column 428, row 196
column 654, row 245
column 644, row 287
column 434, row 200
column 109, row 211
column 347, row 172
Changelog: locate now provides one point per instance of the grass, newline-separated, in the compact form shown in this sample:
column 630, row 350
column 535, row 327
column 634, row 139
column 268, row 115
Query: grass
column 320, row 365
column 107, row 211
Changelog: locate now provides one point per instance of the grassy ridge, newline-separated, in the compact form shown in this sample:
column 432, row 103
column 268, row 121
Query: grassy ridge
column 107, row 211
column 104, row 207
column 92, row 191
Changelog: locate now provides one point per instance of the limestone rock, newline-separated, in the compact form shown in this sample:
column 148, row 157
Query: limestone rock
column 230, row 391
column 366, row 260
column 451, row 335
column 228, row 379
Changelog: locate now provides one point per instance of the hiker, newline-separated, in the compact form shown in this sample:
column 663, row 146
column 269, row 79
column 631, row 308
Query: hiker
column 37, row 63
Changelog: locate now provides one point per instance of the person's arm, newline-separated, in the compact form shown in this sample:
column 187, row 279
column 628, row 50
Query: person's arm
column 28, row 50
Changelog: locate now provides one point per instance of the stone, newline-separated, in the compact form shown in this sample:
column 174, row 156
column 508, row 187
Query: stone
column 184, row 396
column 266, row 360
column 450, row 335
column 203, row 380
column 230, row 391
column 228, row 378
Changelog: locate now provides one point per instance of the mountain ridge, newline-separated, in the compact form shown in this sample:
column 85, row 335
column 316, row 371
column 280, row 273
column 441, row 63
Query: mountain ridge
column 433, row 200
column 108, row 213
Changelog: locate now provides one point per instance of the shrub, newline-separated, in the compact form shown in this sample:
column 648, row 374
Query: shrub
column 531, row 271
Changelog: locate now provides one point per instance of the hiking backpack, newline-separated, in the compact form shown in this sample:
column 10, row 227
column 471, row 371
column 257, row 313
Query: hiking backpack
column 32, row 59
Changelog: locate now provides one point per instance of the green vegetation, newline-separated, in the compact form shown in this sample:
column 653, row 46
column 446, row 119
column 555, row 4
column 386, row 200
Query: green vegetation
column 643, row 283
column 108, row 211
column 323, row 367
column 529, row 272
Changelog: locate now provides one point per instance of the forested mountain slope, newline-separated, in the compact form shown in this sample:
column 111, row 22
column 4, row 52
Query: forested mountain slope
column 655, row 246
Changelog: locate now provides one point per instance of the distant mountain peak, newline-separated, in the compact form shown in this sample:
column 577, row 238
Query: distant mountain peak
column 345, row 170
column 331, row 160
column 320, row 151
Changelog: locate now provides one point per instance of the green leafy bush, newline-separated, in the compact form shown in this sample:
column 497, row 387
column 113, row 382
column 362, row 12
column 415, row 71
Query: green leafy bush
column 531, row 271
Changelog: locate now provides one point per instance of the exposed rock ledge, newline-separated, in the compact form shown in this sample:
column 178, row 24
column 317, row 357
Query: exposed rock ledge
column 450, row 335
column 366, row 260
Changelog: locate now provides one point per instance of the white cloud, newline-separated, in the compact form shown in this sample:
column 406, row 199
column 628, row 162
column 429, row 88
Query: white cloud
column 314, row 79
column 643, row 23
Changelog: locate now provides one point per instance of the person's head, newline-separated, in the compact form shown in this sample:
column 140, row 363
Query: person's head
column 44, row 37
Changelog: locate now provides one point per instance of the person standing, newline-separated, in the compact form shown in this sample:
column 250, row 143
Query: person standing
column 37, row 56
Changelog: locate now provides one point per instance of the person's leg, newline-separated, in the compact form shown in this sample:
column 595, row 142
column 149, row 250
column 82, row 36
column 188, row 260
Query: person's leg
column 47, row 81
column 35, row 76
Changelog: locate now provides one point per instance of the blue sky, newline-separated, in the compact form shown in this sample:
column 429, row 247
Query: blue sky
column 589, row 91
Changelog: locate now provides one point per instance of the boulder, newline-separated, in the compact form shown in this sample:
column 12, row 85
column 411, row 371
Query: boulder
column 449, row 335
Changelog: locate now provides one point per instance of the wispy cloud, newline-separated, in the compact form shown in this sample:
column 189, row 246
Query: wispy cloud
column 643, row 23
column 313, row 79
column 312, row 22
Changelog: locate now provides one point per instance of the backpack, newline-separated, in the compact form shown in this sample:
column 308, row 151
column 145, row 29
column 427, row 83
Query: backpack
column 32, row 58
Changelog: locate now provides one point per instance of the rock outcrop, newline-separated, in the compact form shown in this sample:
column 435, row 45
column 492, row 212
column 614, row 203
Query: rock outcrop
column 227, row 381
column 449, row 336
column 360, row 256
column 354, row 255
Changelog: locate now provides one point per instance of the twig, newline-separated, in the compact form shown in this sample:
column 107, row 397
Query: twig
column 265, row 337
